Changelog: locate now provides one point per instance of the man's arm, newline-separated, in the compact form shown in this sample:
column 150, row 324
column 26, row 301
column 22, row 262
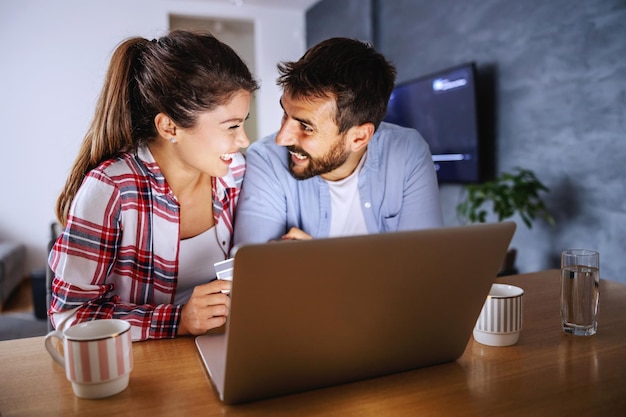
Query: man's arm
column 261, row 213
column 421, row 204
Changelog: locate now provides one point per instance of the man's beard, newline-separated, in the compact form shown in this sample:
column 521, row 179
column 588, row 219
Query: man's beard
column 333, row 159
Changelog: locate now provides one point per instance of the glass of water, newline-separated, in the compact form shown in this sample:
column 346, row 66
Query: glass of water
column 580, row 291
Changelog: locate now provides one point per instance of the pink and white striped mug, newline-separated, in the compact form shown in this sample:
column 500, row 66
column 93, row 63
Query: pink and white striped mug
column 500, row 320
column 97, row 356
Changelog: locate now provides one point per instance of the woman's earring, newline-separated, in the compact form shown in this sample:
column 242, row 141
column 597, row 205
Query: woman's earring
column 173, row 140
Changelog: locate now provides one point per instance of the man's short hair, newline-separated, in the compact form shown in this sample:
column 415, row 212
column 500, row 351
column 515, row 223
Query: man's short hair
column 352, row 72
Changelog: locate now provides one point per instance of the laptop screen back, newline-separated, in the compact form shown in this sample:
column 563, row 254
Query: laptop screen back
column 309, row 314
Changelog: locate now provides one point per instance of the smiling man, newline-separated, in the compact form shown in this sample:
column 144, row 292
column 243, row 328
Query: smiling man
column 334, row 168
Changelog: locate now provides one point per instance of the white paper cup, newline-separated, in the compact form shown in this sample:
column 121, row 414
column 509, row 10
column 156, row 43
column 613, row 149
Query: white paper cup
column 500, row 320
column 98, row 356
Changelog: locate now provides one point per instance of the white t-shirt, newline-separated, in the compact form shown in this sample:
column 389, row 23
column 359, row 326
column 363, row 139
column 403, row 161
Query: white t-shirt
column 196, row 257
column 346, row 212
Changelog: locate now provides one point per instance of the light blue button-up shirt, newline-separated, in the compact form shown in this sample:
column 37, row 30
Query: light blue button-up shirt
column 397, row 187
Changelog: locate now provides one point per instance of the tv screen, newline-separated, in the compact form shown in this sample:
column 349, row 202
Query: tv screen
column 442, row 107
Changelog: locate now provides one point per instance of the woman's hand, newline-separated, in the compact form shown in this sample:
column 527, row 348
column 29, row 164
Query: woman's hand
column 206, row 309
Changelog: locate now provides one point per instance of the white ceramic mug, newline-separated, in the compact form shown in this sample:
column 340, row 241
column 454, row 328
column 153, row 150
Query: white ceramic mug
column 98, row 356
column 500, row 320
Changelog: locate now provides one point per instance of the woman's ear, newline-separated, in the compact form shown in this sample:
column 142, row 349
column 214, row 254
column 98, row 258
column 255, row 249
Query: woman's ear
column 165, row 127
column 359, row 136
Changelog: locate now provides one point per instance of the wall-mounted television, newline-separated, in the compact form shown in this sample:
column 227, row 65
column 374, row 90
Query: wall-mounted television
column 443, row 108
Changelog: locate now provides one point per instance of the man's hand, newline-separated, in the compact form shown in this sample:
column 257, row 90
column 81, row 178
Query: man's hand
column 296, row 234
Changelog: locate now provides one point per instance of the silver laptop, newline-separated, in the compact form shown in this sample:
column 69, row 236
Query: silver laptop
column 311, row 314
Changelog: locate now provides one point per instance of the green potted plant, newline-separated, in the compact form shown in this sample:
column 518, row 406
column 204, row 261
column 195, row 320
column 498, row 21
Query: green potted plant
column 510, row 193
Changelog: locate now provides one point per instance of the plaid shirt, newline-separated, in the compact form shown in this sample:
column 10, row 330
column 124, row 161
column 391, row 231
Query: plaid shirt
column 118, row 255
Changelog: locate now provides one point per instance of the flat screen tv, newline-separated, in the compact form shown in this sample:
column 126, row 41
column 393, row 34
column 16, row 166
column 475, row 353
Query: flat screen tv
column 443, row 108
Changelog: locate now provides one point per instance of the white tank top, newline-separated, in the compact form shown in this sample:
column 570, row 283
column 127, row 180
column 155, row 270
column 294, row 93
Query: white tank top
column 196, row 257
column 345, row 202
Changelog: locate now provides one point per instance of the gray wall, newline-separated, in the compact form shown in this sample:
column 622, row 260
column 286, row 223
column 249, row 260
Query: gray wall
column 560, row 69
column 352, row 19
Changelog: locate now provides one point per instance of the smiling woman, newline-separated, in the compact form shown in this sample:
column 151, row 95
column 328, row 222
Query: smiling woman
column 148, row 206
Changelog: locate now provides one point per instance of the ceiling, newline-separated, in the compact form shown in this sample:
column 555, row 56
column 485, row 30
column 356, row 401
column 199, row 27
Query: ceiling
column 282, row 4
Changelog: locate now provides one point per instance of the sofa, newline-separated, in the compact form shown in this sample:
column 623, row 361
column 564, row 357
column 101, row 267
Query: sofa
column 12, row 264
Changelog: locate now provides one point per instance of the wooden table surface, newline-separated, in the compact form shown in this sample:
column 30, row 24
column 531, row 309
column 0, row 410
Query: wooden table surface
column 548, row 373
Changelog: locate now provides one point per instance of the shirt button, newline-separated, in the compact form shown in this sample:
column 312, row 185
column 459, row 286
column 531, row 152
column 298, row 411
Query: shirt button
column 368, row 205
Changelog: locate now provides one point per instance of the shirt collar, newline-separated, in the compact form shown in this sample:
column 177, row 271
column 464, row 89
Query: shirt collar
column 144, row 155
column 373, row 152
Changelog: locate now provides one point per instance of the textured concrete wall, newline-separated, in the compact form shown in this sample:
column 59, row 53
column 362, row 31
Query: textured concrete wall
column 560, row 69
column 348, row 18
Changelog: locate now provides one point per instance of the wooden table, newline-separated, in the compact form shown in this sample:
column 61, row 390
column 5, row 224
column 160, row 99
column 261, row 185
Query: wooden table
column 548, row 373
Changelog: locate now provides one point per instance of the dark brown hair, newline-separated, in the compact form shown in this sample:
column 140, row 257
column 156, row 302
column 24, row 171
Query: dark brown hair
column 181, row 75
column 353, row 72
